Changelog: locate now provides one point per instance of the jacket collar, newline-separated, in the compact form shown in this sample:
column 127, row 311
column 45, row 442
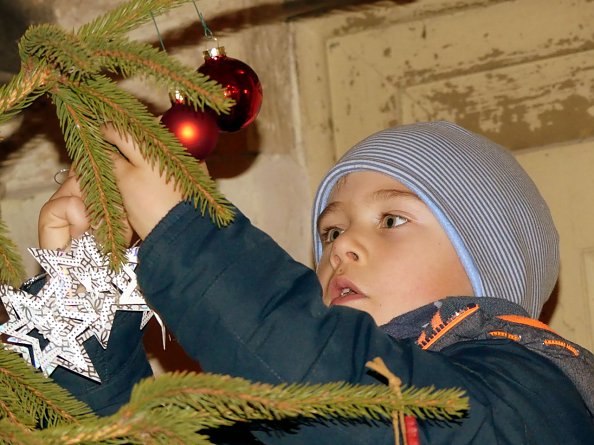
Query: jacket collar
column 457, row 319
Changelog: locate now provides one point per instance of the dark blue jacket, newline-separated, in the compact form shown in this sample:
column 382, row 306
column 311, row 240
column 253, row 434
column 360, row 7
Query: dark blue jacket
column 240, row 305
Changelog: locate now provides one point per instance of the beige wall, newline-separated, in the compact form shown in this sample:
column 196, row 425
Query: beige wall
column 515, row 70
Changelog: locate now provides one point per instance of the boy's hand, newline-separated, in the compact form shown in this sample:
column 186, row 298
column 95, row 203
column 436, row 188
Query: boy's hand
column 63, row 216
column 147, row 196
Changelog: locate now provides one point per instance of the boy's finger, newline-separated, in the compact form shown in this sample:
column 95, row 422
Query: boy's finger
column 124, row 142
column 120, row 165
column 60, row 220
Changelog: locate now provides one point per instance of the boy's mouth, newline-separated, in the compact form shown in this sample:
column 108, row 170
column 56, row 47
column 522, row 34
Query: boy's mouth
column 342, row 291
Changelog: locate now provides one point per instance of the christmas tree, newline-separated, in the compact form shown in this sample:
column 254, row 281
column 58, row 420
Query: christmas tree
column 73, row 69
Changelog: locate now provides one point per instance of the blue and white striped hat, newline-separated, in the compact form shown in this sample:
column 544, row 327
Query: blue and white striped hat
column 489, row 207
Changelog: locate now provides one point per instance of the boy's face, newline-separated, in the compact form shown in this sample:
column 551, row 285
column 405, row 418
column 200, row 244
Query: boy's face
column 383, row 250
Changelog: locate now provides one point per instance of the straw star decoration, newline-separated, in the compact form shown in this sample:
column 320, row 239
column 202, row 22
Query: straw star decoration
column 78, row 300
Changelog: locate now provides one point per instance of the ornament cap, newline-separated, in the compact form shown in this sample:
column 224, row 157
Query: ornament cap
column 176, row 97
column 218, row 51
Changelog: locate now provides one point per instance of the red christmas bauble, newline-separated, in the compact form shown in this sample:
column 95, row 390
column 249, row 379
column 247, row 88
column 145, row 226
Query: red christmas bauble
column 197, row 131
column 240, row 83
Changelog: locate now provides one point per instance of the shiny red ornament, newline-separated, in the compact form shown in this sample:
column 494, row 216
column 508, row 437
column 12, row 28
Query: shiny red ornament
column 197, row 131
column 240, row 83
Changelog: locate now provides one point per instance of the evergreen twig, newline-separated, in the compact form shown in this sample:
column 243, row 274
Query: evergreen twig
column 65, row 51
column 157, row 145
column 126, row 17
column 31, row 399
column 22, row 90
column 95, row 172
column 130, row 59
column 68, row 67
column 180, row 407
column 12, row 270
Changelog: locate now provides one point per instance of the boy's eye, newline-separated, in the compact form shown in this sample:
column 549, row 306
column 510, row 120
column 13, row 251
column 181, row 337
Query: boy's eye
column 330, row 234
column 391, row 221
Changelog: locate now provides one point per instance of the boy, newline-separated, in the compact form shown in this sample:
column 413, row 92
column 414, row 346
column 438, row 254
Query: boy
column 434, row 235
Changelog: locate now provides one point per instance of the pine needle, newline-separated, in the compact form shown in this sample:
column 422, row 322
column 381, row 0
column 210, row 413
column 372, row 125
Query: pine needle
column 12, row 270
column 127, row 17
column 31, row 399
column 129, row 59
column 175, row 408
column 67, row 66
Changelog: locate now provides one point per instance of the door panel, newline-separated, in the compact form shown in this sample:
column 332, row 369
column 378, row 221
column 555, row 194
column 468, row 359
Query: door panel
column 454, row 63
column 565, row 176
column 525, row 105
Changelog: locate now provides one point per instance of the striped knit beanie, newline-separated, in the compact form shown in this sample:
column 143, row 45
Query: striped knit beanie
column 490, row 209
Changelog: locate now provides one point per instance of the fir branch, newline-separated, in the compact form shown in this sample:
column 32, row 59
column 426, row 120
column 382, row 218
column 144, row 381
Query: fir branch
column 94, row 168
column 13, row 411
column 12, row 270
column 435, row 404
column 174, row 427
column 130, row 58
column 174, row 408
column 157, row 145
column 59, row 48
column 14, row 434
column 23, row 89
column 126, row 17
column 25, row 390
column 237, row 399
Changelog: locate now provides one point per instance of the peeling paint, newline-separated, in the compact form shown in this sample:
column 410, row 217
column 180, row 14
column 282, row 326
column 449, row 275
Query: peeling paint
column 361, row 22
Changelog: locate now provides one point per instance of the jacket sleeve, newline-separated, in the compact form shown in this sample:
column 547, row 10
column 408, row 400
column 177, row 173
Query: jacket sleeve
column 241, row 306
column 120, row 366
column 238, row 303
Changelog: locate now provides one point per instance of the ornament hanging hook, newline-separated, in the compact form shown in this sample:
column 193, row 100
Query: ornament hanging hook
column 59, row 176
column 207, row 32
column 158, row 33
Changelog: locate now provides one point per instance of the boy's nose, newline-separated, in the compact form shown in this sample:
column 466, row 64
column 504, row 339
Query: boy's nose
column 342, row 254
column 349, row 247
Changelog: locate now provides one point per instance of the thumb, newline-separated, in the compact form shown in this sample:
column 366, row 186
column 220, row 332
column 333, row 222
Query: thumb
column 60, row 220
column 63, row 217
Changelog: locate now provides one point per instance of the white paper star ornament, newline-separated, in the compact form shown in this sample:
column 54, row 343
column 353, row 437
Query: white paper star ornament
column 78, row 300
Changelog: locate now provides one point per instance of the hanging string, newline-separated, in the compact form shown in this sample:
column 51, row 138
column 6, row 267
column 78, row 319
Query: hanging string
column 207, row 32
column 158, row 33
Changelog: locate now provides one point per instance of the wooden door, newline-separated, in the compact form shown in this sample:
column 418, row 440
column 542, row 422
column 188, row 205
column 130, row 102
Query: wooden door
column 565, row 176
